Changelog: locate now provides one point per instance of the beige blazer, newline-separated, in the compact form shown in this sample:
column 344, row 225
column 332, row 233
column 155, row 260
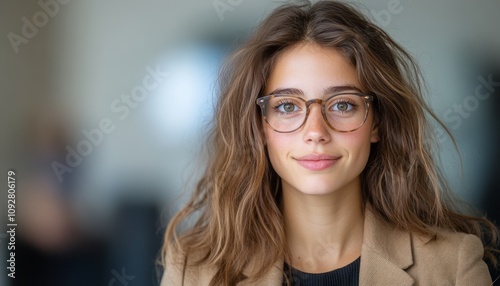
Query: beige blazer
column 388, row 257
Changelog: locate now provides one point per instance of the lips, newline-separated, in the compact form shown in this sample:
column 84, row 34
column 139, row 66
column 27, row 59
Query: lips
column 317, row 162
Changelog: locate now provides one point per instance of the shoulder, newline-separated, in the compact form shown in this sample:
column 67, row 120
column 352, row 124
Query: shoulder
column 182, row 270
column 447, row 245
column 445, row 240
column 446, row 258
column 451, row 255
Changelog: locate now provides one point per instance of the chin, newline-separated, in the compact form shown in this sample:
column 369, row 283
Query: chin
column 317, row 188
column 322, row 186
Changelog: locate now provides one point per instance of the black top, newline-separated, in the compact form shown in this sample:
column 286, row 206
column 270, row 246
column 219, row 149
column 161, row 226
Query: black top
column 345, row 276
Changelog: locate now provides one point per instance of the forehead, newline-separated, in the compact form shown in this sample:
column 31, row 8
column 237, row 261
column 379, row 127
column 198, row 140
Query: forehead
column 312, row 69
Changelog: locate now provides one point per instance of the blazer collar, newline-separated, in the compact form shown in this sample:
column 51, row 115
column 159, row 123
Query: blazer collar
column 386, row 253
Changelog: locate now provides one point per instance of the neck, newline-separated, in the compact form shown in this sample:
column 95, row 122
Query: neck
column 324, row 232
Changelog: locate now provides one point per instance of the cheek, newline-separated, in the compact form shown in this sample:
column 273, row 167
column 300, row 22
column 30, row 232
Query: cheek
column 272, row 141
column 276, row 146
column 357, row 139
column 358, row 145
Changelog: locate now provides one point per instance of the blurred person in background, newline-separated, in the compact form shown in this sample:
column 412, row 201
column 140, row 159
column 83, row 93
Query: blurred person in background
column 329, row 178
column 47, row 221
column 52, row 250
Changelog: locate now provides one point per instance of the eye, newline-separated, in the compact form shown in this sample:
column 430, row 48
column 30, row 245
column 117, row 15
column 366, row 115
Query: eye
column 287, row 107
column 343, row 106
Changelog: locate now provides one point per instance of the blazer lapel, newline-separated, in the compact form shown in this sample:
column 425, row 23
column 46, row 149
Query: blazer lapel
column 385, row 255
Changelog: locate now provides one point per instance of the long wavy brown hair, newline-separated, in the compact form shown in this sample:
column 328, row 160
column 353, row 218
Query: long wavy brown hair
column 236, row 202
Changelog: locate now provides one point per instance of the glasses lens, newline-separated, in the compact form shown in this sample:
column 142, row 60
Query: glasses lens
column 286, row 113
column 346, row 112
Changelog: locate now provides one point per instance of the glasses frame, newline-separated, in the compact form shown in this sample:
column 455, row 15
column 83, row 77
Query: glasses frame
column 263, row 103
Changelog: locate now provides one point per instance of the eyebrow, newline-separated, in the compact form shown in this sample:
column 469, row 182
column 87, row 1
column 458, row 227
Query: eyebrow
column 328, row 90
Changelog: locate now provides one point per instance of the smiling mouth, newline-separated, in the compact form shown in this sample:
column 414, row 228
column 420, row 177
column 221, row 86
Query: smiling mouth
column 315, row 162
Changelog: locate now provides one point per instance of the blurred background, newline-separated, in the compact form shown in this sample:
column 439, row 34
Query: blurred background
column 104, row 105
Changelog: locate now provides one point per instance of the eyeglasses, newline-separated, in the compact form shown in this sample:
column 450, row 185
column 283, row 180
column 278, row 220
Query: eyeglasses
column 343, row 112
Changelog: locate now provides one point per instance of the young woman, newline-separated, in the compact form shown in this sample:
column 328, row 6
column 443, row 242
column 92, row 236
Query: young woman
column 321, row 169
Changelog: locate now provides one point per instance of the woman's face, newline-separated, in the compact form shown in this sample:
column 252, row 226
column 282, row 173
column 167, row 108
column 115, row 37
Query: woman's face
column 315, row 159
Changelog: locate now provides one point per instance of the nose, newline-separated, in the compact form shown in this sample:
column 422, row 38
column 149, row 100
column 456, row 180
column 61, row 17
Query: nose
column 315, row 128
